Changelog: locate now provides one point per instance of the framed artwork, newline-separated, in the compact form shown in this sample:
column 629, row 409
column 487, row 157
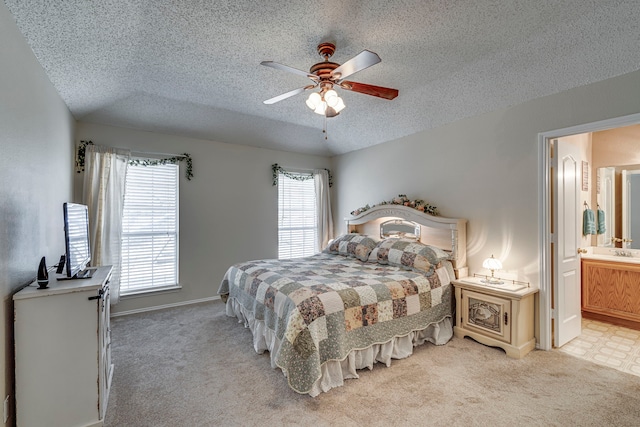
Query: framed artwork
column 585, row 176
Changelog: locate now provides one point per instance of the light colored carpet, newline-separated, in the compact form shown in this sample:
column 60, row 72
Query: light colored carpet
column 194, row 366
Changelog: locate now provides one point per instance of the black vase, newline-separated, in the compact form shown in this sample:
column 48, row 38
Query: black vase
column 43, row 274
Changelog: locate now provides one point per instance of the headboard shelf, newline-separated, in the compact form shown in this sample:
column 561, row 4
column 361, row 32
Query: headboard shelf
column 449, row 234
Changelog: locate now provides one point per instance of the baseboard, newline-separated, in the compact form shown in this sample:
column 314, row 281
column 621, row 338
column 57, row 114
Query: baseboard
column 160, row 307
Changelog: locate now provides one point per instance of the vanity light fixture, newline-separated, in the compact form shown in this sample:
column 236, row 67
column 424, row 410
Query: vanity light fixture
column 492, row 264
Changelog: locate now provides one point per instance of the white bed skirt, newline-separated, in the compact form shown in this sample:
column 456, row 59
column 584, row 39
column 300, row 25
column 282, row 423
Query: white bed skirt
column 334, row 372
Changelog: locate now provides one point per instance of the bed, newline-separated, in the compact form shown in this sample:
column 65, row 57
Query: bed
column 371, row 296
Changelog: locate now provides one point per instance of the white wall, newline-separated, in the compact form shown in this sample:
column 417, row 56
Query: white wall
column 228, row 212
column 484, row 169
column 36, row 140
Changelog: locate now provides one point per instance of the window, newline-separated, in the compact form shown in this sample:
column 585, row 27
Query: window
column 296, row 216
column 150, row 229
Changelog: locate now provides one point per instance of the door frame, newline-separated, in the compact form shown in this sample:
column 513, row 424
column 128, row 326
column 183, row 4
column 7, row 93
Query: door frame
column 545, row 239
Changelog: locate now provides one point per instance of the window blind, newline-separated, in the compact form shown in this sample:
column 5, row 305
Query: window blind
column 297, row 222
column 150, row 229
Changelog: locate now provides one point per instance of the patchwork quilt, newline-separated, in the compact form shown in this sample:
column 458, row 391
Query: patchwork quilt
column 323, row 307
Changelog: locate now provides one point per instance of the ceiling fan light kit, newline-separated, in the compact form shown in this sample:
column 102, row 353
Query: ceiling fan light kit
column 326, row 103
column 328, row 74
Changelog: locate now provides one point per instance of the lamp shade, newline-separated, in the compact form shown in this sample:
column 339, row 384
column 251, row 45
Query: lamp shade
column 492, row 264
column 321, row 108
column 331, row 98
column 314, row 100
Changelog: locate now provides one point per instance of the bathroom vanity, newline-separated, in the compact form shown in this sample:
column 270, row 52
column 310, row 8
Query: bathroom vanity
column 611, row 289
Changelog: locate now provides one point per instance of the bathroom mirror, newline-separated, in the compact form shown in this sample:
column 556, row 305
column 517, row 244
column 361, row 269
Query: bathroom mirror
column 606, row 201
column 618, row 196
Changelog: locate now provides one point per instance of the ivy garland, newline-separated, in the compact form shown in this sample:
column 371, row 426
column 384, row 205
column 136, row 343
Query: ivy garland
column 80, row 155
column 402, row 199
column 80, row 158
column 169, row 160
column 294, row 175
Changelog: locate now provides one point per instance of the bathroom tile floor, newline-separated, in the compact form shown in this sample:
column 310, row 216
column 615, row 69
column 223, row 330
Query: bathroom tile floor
column 606, row 344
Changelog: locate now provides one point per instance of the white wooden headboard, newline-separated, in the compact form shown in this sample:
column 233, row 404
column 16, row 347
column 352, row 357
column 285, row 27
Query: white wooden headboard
column 449, row 234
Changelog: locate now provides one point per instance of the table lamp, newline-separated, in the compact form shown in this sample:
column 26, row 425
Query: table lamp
column 492, row 264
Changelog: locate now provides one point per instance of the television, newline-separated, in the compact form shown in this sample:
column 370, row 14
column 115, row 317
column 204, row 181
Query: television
column 76, row 240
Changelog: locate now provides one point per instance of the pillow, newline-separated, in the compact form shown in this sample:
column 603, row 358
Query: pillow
column 352, row 245
column 407, row 253
column 443, row 275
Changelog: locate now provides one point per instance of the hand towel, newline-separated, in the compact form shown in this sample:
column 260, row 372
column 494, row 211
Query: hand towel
column 588, row 222
column 601, row 226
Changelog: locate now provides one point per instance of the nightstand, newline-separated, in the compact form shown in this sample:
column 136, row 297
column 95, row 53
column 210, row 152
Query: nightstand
column 500, row 315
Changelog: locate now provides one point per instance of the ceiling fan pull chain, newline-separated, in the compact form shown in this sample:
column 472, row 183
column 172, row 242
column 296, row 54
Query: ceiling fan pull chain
column 324, row 128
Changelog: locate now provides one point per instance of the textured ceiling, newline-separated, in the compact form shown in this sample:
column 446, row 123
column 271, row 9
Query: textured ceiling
column 193, row 67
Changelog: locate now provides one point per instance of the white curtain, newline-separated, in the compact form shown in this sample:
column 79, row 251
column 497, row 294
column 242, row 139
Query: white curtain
column 323, row 208
column 103, row 192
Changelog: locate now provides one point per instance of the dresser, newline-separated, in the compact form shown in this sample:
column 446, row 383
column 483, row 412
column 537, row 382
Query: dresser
column 62, row 352
column 496, row 315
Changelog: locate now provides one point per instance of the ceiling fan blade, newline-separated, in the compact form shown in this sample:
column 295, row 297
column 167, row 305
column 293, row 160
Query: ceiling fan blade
column 287, row 95
column 364, row 59
column 379, row 91
column 278, row 66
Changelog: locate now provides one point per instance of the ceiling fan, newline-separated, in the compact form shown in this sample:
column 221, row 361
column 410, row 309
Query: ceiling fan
column 326, row 75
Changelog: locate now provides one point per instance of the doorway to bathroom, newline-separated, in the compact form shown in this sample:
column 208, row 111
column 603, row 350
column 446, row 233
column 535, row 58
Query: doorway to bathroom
column 573, row 162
